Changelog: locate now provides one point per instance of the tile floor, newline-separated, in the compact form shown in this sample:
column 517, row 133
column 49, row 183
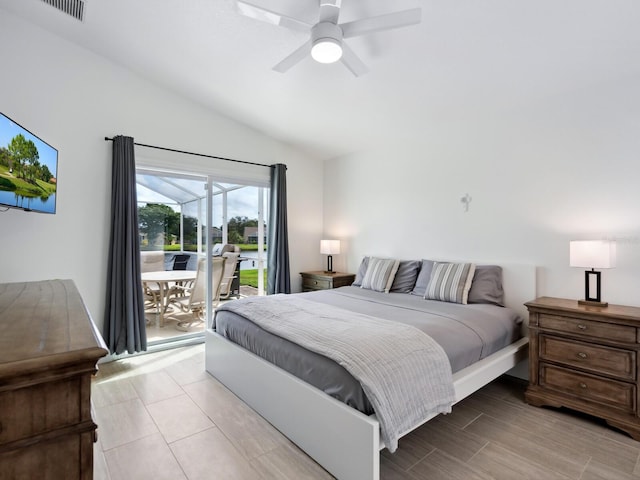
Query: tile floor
column 161, row 416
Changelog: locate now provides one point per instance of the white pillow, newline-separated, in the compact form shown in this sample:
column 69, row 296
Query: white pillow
column 450, row 282
column 380, row 274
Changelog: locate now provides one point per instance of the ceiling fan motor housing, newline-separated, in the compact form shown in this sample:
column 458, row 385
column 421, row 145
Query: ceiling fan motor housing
column 326, row 31
column 326, row 42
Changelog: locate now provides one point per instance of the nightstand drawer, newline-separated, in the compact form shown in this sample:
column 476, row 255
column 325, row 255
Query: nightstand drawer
column 316, row 284
column 606, row 331
column 604, row 391
column 594, row 358
column 343, row 281
column 320, row 280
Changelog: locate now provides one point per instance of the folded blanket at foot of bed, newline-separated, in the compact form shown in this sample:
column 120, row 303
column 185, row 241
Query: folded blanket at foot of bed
column 405, row 374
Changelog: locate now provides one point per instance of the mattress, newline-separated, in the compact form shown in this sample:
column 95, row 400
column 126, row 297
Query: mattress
column 467, row 333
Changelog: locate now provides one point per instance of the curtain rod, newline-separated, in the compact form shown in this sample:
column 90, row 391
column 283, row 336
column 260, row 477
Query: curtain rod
column 107, row 139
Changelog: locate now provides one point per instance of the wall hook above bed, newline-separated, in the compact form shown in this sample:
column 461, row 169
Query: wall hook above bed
column 466, row 200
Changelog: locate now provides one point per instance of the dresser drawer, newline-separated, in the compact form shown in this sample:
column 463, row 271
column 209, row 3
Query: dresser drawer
column 39, row 408
column 594, row 358
column 599, row 330
column 608, row 392
column 316, row 284
column 48, row 459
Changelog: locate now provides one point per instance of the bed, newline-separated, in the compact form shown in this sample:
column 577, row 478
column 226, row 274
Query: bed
column 345, row 439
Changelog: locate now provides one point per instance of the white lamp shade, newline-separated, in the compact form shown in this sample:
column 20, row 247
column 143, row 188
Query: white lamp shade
column 330, row 247
column 592, row 253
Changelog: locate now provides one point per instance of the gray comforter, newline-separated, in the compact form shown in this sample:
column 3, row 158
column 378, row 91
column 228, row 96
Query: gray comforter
column 404, row 373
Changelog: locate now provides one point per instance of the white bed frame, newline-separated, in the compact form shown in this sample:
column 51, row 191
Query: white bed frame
column 343, row 440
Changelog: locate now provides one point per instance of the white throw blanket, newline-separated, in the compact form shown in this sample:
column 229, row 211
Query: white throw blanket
column 405, row 374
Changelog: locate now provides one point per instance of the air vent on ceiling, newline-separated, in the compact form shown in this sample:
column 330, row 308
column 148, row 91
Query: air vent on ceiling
column 75, row 8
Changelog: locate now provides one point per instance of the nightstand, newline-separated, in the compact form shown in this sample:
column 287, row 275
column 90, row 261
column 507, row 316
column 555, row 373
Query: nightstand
column 323, row 281
column 586, row 359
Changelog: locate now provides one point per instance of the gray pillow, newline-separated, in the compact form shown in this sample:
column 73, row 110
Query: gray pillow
column 406, row 276
column 380, row 274
column 450, row 282
column 362, row 270
column 424, row 276
column 486, row 286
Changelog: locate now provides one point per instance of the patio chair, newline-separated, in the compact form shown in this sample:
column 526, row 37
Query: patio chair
column 194, row 299
column 151, row 262
column 180, row 261
column 229, row 273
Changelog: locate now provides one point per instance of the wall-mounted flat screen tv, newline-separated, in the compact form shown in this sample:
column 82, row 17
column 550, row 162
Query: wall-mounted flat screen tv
column 28, row 169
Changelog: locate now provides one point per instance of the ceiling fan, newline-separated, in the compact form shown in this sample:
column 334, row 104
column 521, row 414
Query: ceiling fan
column 326, row 40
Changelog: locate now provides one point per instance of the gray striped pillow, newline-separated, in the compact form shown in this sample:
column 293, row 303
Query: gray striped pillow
column 450, row 282
column 380, row 274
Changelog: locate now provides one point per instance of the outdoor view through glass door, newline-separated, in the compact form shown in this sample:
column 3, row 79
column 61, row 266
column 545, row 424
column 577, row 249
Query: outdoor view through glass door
column 175, row 237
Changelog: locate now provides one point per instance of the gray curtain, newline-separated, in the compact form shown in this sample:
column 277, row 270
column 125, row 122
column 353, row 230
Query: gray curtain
column 278, row 276
column 124, row 322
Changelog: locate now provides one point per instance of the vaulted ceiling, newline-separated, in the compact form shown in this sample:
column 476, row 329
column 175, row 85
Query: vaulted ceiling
column 467, row 58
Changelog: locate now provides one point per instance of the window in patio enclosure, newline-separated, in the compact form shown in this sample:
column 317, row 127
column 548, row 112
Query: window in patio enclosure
column 171, row 211
column 247, row 229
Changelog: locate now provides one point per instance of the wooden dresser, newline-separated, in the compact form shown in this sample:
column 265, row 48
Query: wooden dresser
column 585, row 358
column 323, row 281
column 49, row 347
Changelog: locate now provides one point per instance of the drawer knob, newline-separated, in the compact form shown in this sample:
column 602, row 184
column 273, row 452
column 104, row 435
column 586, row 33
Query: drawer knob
column 582, row 326
column 582, row 355
column 583, row 385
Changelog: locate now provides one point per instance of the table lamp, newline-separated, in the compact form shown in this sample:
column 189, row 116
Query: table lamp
column 592, row 254
column 329, row 247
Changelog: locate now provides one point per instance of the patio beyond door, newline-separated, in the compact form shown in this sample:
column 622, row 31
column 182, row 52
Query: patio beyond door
column 185, row 218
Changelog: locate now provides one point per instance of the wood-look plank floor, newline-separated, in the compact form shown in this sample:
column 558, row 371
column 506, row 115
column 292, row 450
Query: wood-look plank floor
column 161, row 416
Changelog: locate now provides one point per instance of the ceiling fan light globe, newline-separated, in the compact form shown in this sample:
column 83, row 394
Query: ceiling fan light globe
column 326, row 50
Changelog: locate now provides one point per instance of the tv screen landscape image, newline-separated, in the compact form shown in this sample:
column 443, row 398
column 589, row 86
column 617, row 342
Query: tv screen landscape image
column 28, row 169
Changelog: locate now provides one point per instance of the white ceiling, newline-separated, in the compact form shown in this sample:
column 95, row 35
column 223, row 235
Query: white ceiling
column 477, row 58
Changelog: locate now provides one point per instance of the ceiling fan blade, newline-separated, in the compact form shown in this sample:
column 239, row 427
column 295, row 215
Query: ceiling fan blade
column 329, row 10
column 352, row 61
column 382, row 22
column 297, row 56
column 259, row 13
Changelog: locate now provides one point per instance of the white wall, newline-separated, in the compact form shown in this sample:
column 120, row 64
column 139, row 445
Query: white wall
column 72, row 99
column 540, row 175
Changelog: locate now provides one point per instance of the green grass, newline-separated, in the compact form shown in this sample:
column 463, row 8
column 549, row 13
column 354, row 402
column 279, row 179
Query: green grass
column 249, row 247
column 6, row 184
column 245, row 247
column 174, row 248
column 250, row 277
column 46, row 186
column 22, row 187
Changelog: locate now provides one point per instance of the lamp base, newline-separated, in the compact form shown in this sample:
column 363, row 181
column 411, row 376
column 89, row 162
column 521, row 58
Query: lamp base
column 329, row 265
column 592, row 303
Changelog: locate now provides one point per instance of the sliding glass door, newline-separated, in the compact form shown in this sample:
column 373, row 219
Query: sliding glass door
column 185, row 218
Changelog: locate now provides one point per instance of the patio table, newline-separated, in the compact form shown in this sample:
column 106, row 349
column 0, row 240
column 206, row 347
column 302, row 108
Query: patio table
column 163, row 278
